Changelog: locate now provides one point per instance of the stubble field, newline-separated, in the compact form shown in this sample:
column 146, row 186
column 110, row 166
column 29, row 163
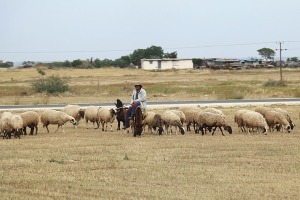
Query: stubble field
column 92, row 164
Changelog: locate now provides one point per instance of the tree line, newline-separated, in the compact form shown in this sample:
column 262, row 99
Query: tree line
column 131, row 60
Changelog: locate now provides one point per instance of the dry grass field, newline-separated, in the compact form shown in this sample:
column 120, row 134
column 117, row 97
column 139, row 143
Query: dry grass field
column 92, row 164
column 108, row 84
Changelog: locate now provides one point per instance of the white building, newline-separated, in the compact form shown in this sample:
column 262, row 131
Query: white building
column 166, row 63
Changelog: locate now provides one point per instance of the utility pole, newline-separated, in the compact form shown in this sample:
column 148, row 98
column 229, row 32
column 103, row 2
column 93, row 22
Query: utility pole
column 280, row 63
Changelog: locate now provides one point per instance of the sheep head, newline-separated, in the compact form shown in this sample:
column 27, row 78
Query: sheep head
column 81, row 113
column 119, row 103
column 73, row 121
column 113, row 111
column 228, row 128
column 181, row 130
column 160, row 130
column 288, row 128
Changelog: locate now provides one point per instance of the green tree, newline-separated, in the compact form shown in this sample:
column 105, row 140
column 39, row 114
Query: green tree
column 137, row 55
column 67, row 63
column 154, row 52
column 170, row 55
column 97, row 63
column 197, row 62
column 148, row 53
column 124, row 61
column 266, row 53
column 6, row 64
column 76, row 63
column 294, row 59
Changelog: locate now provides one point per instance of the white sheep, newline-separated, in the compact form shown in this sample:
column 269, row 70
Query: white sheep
column 208, row 119
column 191, row 117
column 275, row 118
column 171, row 119
column 287, row 116
column 75, row 111
column 180, row 114
column 254, row 120
column 5, row 124
column 153, row 120
column 91, row 114
column 30, row 119
column 214, row 110
column 262, row 110
column 106, row 115
column 17, row 125
column 56, row 117
column 238, row 118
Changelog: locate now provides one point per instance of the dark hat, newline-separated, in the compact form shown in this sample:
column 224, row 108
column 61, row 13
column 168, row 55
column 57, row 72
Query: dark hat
column 138, row 84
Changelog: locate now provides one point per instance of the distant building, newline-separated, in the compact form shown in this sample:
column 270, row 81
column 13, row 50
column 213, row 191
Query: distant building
column 222, row 63
column 166, row 63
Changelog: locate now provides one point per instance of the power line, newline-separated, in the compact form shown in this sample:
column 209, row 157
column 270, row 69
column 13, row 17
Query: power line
column 120, row 50
column 220, row 45
column 127, row 50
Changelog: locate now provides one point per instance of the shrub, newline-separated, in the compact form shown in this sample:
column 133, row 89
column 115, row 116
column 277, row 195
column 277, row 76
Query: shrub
column 41, row 72
column 272, row 83
column 52, row 85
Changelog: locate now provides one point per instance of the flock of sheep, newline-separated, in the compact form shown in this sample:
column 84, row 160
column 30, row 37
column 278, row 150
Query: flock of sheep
column 261, row 120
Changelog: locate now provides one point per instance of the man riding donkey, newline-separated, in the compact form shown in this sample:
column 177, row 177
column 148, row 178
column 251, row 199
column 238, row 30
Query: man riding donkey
column 138, row 98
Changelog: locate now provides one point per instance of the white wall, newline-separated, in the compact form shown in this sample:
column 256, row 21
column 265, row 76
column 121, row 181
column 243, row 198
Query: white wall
column 167, row 64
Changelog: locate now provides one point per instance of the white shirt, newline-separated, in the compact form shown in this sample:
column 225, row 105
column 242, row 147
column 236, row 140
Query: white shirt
column 142, row 96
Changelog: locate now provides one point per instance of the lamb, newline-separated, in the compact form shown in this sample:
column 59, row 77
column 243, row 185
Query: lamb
column 171, row 119
column 287, row 116
column 238, row 118
column 213, row 120
column 274, row 118
column 30, row 119
column 5, row 124
column 17, row 125
column 106, row 115
column 56, row 117
column 75, row 111
column 91, row 114
column 254, row 120
column 153, row 120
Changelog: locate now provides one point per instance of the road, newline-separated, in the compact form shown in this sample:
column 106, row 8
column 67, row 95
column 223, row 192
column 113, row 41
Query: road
column 224, row 103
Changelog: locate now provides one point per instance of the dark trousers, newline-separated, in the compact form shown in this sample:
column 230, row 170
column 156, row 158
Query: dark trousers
column 130, row 112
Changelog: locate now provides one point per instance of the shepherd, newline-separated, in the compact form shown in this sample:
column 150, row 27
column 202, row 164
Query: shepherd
column 138, row 99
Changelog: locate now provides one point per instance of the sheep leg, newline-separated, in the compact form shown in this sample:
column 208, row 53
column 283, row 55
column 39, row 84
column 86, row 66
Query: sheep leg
column 111, row 129
column 102, row 123
column 57, row 128
column 119, row 124
column 221, row 131
column 24, row 130
column 214, row 131
column 46, row 128
column 36, row 129
column 201, row 129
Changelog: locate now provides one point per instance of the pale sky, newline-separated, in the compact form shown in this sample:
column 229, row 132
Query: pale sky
column 59, row 30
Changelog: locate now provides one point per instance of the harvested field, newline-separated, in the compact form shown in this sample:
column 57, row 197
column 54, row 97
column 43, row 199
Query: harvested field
column 92, row 164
